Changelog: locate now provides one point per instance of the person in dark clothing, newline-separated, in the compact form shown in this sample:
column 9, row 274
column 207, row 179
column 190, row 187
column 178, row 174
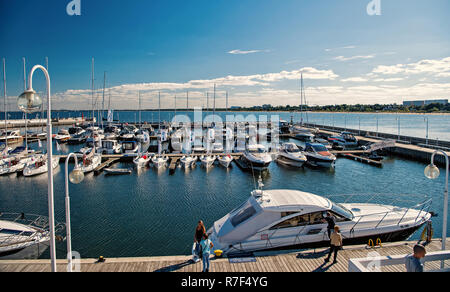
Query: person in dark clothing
column 331, row 220
column 200, row 230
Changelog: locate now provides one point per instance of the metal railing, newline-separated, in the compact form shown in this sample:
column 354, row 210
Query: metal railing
column 396, row 201
column 39, row 224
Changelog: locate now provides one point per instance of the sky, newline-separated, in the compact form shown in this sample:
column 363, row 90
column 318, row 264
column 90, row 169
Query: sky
column 256, row 50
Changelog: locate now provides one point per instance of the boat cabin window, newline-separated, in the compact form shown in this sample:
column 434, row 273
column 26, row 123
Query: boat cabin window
column 301, row 220
column 128, row 146
column 16, row 232
column 246, row 213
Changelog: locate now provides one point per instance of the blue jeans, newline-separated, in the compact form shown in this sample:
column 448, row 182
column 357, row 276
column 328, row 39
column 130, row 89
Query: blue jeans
column 205, row 262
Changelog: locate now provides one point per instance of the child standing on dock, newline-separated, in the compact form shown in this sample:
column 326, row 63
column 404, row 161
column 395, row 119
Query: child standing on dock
column 336, row 244
column 206, row 245
column 413, row 263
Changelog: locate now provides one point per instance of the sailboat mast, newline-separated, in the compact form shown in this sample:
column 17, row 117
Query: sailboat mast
column 227, row 102
column 301, row 100
column 187, row 100
column 214, row 103
column 159, row 110
column 140, row 124
column 103, row 100
column 92, row 91
column 4, row 102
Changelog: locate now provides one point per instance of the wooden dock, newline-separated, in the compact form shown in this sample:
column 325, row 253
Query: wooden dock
column 105, row 164
column 174, row 162
column 300, row 261
column 363, row 159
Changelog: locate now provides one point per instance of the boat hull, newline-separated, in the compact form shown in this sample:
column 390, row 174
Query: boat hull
column 395, row 236
column 33, row 251
column 290, row 162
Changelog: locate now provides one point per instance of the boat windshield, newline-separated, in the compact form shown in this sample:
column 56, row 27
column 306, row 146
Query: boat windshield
column 257, row 150
column 293, row 150
column 341, row 210
column 243, row 215
column 319, row 148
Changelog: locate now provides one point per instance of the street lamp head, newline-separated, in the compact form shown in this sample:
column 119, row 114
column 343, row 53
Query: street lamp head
column 432, row 172
column 76, row 176
column 29, row 101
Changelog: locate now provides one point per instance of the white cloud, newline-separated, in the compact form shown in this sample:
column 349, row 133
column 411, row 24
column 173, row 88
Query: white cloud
column 340, row 48
column 127, row 93
column 354, row 79
column 388, row 79
column 344, row 59
column 246, row 52
column 439, row 67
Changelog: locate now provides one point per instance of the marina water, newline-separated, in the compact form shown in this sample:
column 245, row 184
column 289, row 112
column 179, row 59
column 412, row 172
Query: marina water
column 151, row 213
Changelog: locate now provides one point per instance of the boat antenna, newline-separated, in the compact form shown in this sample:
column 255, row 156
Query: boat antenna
column 260, row 183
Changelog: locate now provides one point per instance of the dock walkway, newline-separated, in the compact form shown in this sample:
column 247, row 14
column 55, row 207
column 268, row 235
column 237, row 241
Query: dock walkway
column 302, row 261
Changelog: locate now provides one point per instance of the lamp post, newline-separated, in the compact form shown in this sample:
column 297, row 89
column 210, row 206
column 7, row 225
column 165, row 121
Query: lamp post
column 432, row 172
column 30, row 102
column 75, row 177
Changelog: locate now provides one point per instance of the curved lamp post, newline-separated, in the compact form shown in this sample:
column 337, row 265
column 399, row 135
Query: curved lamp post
column 30, row 102
column 432, row 172
column 75, row 177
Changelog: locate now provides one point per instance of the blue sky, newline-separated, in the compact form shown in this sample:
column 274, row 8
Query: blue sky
column 253, row 49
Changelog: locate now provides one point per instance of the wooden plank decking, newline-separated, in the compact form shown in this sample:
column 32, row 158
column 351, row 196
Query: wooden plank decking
column 303, row 261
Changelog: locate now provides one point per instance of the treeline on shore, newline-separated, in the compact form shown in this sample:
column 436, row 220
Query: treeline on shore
column 429, row 108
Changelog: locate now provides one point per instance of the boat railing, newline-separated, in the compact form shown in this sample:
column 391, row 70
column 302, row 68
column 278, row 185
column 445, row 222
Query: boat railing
column 399, row 206
column 37, row 222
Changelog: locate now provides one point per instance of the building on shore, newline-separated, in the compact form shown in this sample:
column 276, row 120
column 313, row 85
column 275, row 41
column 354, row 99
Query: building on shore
column 425, row 102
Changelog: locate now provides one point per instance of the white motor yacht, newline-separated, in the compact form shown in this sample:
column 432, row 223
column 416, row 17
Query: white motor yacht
column 110, row 147
column 11, row 137
column 24, row 236
column 319, row 156
column 302, row 133
column 257, row 157
column 291, row 155
column 130, row 147
column 63, row 136
column 290, row 219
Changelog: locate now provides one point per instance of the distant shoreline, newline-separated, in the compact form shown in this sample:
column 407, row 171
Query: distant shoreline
column 262, row 112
